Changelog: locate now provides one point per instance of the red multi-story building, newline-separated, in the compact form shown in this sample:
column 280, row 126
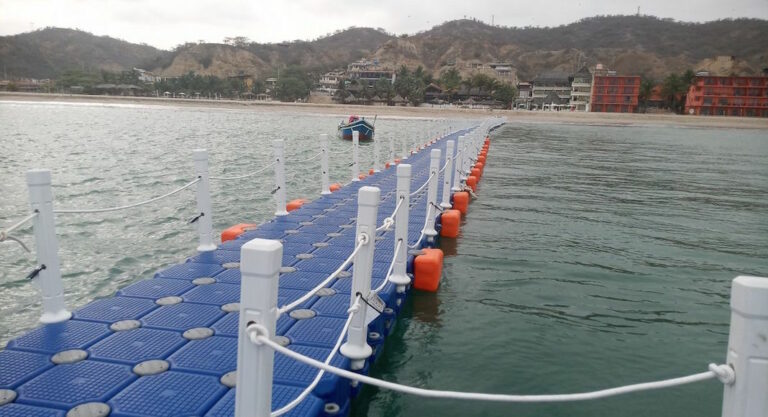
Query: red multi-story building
column 711, row 95
column 614, row 93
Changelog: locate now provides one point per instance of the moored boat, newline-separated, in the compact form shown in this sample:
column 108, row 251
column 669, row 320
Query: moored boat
column 358, row 124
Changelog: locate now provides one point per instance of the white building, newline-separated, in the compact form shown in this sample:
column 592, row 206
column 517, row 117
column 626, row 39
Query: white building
column 581, row 90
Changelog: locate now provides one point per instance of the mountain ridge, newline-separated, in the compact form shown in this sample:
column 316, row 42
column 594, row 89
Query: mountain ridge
column 642, row 45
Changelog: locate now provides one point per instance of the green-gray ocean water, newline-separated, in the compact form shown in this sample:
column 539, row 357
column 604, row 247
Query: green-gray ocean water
column 594, row 257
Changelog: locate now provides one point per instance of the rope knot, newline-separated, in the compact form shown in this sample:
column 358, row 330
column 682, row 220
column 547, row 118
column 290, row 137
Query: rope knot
column 724, row 373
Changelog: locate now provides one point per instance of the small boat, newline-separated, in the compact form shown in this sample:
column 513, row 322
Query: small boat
column 358, row 124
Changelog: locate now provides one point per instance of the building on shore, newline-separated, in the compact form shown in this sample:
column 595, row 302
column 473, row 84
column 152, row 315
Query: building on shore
column 613, row 93
column 711, row 95
column 368, row 72
column 524, row 95
column 329, row 83
column 581, row 90
column 551, row 91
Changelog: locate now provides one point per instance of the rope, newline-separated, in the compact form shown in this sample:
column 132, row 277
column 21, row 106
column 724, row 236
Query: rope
column 4, row 233
column 239, row 177
column 444, row 166
column 310, row 158
column 389, row 221
column 391, row 267
column 296, row 401
column 546, row 398
column 423, row 230
column 342, row 151
column 151, row 200
column 422, row 186
column 362, row 239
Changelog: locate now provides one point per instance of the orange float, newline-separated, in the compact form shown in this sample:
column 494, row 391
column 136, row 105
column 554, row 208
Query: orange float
column 427, row 270
column 481, row 158
column 370, row 171
column 461, row 201
column 232, row 232
column 335, row 187
column 476, row 173
column 386, row 165
column 295, row 204
column 472, row 182
column 361, row 176
column 450, row 221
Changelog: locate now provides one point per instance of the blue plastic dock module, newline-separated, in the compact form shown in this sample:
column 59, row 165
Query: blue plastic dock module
column 167, row 345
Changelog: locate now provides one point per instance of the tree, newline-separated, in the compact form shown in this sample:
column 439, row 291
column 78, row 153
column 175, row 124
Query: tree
column 505, row 93
column 384, row 89
column 646, row 90
column 450, row 79
column 293, row 84
column 671, row 89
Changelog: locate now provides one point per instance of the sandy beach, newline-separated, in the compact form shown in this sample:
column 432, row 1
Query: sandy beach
column 522, row 116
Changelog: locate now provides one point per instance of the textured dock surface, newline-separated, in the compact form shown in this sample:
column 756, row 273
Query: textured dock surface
column 187, row 316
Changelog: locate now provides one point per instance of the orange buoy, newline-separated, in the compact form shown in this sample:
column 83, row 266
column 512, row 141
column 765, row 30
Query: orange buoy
column 427, row 270
column 370, row 171
column 233, row 232
column 476, row 173
column 397, row 161
column 386, row 165
column 481, row 158
column 461, row 201
column 450, row 221
column 295, row 204
column 472, row 182
column 361, row 176
column 335, row 187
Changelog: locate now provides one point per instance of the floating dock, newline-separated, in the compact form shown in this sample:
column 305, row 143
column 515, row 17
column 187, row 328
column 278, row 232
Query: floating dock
column 167, row 346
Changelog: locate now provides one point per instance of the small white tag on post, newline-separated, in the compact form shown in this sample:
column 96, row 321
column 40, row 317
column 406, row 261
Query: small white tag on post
column 374, row 307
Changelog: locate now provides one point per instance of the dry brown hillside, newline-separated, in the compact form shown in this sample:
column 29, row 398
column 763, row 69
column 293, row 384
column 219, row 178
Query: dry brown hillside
column 642, row 45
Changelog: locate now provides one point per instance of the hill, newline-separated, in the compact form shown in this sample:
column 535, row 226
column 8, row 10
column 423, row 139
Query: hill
column 643, row 45
column 48, row 52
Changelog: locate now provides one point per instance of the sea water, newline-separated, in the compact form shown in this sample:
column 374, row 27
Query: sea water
column 594, row 256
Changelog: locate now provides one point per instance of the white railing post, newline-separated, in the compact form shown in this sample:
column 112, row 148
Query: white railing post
column 446, row 200
column 748, row 349
column 399, row 274
column 279, row 190
column 260, row 261
column 326, row 182
column 355, row 155
column 457, row 165
column 391, row 158
column 49, row 276
column 434, row 176
column 356, row 347
column 205, row 221
column 375, row 156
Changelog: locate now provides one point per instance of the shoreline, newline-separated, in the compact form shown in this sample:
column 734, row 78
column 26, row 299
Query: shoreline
column 522, row 116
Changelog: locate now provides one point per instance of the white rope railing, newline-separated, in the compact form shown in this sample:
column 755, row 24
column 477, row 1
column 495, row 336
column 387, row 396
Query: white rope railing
column 724, row 373
column 391, row 267
column 444, row 166
column 423, row 185
column 389, row 221
column 239, row 177
column 5, row 234
column 128, row 206
column 361, row 240
column 308, row 159
column 296, row 401
column 343, row 151
column 423, row 230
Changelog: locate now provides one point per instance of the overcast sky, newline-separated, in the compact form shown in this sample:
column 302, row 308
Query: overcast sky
column 166, row 23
